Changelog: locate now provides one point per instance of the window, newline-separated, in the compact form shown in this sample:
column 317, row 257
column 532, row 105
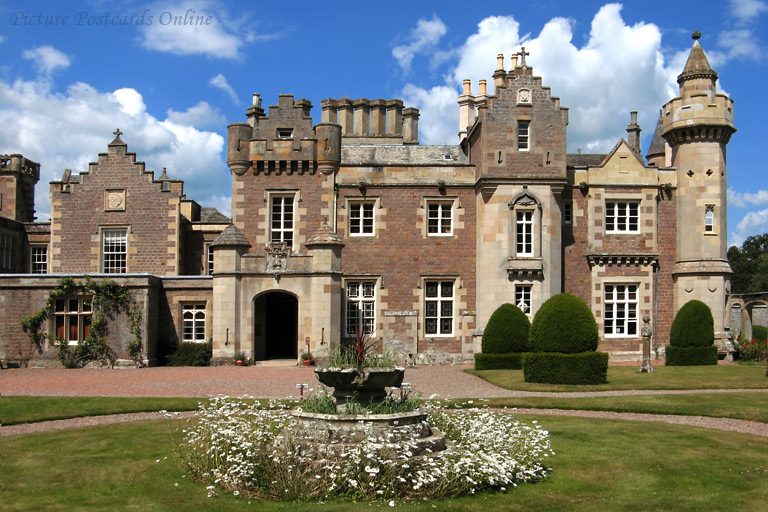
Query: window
column 524, row 233
column 361, row 307
column 193, row 320
column 438, row 308
column 523, row 135
column 72, row 319
column 622, row 217
column 6, row 252
column 361, row 219
column 209, row 259
column 282, row 220
column 439, row 219
column 38, row 256
column 567, row 213
column 523, row 297
column 284, row 133
column 114, row 250
column 620, row 310
column 709, row 219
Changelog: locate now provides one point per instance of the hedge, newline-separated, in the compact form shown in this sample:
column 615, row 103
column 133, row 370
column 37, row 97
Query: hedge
column 693, row 326
column 564, row 323
column 506, row 331
column 511, row 361
column 191, row 354
column 691, row 356
column 759, row 332
column 555, row 368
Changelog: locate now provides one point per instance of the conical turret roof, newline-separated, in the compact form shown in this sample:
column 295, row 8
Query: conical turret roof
column 658, row 148
column 697, row 65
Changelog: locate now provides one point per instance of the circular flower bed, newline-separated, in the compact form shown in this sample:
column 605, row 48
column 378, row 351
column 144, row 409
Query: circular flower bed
column 231, row 449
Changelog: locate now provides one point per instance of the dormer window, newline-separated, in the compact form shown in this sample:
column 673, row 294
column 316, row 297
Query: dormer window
column 285, row 133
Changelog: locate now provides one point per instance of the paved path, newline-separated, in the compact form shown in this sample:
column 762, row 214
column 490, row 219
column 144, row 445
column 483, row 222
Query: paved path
column 280, row 382
column 257, row 381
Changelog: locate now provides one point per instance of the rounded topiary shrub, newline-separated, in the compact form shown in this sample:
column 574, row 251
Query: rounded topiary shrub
column 693, row 326
column 506, row 332
column 564, row 324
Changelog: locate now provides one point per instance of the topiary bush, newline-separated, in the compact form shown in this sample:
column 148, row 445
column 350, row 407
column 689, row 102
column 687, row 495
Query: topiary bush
column 191, row 354
column 507, row 331
column 512, row 361
column 552, row 368
column 564, row 324
column 692, row 328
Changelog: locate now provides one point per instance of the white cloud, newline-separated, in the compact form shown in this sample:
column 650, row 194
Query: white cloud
column 212, row 32
column 619, row 69
column 746, row 10
column 47, row 58
column 220, row 82
column 200, row 115
column 742, row 199
column 421, row 39
column 69, row 129
column 2, row 39
column 753, row 222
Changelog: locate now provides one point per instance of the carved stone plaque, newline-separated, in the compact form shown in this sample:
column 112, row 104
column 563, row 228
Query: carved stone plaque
column 524, row 96
column 277, row 257
column 114, row 200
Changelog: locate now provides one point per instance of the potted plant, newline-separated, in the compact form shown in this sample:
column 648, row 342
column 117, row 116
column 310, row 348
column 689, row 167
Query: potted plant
column 306, row 359
column 357, row 371
column 240, row 359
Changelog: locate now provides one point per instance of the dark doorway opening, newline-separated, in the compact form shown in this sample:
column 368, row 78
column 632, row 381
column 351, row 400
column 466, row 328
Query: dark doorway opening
column 277, row 319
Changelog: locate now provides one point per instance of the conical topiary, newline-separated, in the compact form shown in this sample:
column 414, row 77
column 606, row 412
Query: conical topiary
column 693, row 326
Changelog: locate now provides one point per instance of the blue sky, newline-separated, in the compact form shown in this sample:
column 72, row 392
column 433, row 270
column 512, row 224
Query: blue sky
column 72, row 72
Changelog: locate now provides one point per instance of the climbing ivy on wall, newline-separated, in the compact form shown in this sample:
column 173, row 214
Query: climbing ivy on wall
column 108, row 300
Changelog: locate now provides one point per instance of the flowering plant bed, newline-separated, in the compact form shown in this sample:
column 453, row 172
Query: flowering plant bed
column 232, row 449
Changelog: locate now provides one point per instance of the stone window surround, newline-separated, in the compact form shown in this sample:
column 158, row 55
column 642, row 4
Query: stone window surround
column 709, row 220
column 194, row 309
column 272, row 195
column 456, row 282
column 126, row 229
column 360, row 298
column 527, row 202
column 623, row 200
column 523, row 134
column 441, row 199
column 626, row 301
column 351, row 202
column 209, row 264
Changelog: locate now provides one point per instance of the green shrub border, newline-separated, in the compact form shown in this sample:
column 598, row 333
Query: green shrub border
column 691, row 356
column 555, row 368
column 191, row 353
column 511, row 361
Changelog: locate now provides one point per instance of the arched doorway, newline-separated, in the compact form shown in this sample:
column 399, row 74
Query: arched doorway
column 276, row 319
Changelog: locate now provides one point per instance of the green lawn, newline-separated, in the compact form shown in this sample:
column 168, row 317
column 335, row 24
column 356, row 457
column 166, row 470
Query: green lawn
column 599, row 465
column 743, row 406
column 30, row 409
column 627, row 377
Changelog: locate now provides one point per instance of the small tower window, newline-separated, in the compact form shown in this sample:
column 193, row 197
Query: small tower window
column 709, row 219
column 284, row 133
column 523, row 134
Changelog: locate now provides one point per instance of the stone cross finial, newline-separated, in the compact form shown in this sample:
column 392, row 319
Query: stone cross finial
column 696, row 35
column 522, row 53
column 117, row 132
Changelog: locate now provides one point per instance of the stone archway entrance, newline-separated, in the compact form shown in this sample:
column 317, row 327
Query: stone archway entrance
column 276, row 319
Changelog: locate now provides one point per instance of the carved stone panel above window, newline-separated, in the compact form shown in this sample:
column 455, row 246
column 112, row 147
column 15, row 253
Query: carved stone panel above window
column 114, row 200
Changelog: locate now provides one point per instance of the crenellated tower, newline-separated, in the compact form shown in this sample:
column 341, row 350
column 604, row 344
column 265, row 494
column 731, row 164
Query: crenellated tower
column 697, row 126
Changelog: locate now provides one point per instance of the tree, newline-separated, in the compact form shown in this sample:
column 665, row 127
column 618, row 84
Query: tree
column 750, row 265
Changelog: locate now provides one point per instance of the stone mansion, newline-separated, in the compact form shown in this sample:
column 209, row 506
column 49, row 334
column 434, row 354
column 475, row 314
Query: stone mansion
column 350, row 224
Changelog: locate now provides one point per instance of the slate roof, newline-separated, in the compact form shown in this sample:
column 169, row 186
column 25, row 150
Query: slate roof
column 212, row 215
column 584, row 159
